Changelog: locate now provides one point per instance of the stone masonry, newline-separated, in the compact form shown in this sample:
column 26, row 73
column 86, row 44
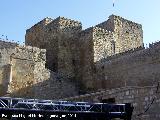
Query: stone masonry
column 23, row 74
column 58, row 37
column 73, row 52
column 140, row 97
column 61, row 61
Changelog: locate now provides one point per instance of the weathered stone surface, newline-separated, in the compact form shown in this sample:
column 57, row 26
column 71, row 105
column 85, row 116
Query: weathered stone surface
column 140, row 68
column 67, row 61
column 140, row 97
column 127, row 34
column 23, row 74
column 58, row 37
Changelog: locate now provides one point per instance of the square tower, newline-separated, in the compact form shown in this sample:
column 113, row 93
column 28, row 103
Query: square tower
column 58, row 37
column 126, row 34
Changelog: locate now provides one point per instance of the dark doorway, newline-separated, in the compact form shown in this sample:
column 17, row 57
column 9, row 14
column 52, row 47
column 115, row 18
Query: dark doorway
column 109, row 100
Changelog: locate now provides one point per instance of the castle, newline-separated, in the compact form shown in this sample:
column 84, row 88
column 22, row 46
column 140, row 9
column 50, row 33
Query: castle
column 106, row 62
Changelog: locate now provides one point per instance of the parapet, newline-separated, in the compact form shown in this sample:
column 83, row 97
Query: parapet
column 5, row 44
column 99, row 29
column 96, row 29
column 53, row 25
column 115, row 20
column 66, row 25
column 155, row 44
column 42, row 23
column 131, row 23
column 30, row 53
column 68, row 22
column 130, row 51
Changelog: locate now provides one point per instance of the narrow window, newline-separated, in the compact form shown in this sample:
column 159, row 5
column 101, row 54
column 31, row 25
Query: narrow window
column 113, row 47
column 0, row 57
column 74, row 62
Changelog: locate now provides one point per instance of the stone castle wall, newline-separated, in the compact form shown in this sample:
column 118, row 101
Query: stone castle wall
column 127, row 34
column 102, row 46
column 6, row 49
column 86, row 58
column 67, row 61
column 140, row 97
column 31, row 79
column 95, row 44
column 73, row 52
column 23, row 74
column 140, row 68
column 58, row 38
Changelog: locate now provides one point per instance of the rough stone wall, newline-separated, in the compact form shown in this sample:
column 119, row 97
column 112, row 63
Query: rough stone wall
column 95, row 44
column 140, row 97
column 127, row 34
column 140, row 68
column 69, row 48
column 56, row 87
column 102, row 43
column 59, row 38
column 36, row 36
column 4, row 79
column 107, row 25
column 86, row 59
column 69, row 33
column 110, row 55
column 6, row 49
column 23, row 74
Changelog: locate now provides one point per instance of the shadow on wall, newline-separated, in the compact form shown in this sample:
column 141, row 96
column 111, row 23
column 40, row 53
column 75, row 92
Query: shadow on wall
column 5, row 79
column 52, row 88
column 139, row 68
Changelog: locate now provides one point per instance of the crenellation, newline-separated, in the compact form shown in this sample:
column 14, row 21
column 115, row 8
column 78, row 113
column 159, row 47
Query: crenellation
column 43, row 22
column 69, row 22
column 105, row 61
column 7, row 44
column 126, row 20
column 155, row 44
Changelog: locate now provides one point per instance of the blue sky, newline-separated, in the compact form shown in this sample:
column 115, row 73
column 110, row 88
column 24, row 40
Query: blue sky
column 19, row 15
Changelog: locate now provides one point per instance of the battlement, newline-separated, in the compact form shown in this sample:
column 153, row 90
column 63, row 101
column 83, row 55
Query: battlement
column 155, row 44
column 119, row 18
column 99, row 29
column 7, row 44
column 133, row 51
column 59, row 21
column 61, row 58
column 69, row 26
column 68, row 22
column 67, row 45
column 95, row 30
column 130, row 51
column 63, row 23
column 29, row 53
column 42, row 23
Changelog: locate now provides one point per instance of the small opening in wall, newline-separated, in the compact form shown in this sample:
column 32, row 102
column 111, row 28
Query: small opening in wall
column 74, row 62
column 127, row 32
column 0, row 57
column 109, row 100
column 51, row 66
column 102, row 67
column 94, row 69
column 113, row 47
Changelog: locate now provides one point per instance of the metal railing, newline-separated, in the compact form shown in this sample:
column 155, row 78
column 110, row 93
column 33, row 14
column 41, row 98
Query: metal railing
column 11, row 107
